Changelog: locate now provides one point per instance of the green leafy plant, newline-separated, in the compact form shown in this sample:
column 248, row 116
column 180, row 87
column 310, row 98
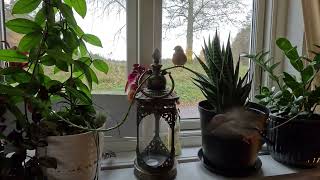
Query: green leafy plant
column 293, row 94
column 51, row 39
column 221, row 83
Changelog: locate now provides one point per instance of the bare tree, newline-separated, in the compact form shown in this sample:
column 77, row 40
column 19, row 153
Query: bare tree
column 105, row 7
column 200, row 15
column 241, row 42
column 192, row 15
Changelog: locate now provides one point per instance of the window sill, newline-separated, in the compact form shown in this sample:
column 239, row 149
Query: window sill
column 125, row 159
column 194, row 170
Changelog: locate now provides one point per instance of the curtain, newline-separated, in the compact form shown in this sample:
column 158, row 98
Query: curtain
column 311, row 15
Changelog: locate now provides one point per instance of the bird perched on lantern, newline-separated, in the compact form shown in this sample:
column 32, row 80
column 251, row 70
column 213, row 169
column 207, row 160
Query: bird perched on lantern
column 179, row 58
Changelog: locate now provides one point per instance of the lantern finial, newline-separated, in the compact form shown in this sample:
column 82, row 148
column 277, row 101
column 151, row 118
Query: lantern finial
column 156, row 56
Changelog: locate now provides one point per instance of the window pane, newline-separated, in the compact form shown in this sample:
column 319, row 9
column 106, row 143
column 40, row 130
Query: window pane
column 107, row 20
column 187, row 23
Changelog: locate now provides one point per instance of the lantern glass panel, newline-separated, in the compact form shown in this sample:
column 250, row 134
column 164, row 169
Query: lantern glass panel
column 153, row 140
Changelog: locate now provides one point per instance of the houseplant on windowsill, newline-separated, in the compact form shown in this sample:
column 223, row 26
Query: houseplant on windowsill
column 66, row 139
column 229, row 123
column 293, row 127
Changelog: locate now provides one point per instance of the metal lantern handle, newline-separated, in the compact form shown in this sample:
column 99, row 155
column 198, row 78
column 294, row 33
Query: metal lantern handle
column 157, row 97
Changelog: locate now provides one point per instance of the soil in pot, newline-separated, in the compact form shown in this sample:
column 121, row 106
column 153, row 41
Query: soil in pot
column 230, row 140
column 295, row 143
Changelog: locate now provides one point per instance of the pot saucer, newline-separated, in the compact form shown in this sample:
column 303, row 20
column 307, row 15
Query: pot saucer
column 232, row 172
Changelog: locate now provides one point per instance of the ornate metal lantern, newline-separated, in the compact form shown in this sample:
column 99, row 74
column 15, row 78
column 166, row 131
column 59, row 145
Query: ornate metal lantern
column 156, row 159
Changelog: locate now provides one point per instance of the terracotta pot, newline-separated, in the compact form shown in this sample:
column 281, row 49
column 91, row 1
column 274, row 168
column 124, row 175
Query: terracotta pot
column 78, row 156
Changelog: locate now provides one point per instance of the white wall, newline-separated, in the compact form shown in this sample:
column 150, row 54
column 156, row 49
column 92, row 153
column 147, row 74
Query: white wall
column 119, row 105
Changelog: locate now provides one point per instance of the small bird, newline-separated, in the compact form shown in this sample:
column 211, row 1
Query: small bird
column 179, row 58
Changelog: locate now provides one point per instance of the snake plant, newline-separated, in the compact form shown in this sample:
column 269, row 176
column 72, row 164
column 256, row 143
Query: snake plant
column 221, row 84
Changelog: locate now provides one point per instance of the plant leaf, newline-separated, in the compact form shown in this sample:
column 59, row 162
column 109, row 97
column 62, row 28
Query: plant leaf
column 82, row 87
column 48, row 61
column 30, row 41
column 79, row 95
column 25, row 6
column 23, row 26
column 40, row 17
column 101, row 65
column 17, row 113
column 9, row 90
column 92, row 39
column 71, row 40
column 307, row 74
column 290, row 81
column 62, row 65
column 80, row 6
column 284, row 44
column 12, row 56
column 59, row 55
column 85, row 69
column 93, row 76
column 67, row 14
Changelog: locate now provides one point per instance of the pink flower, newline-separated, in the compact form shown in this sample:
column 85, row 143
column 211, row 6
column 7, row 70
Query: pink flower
column 133, row 78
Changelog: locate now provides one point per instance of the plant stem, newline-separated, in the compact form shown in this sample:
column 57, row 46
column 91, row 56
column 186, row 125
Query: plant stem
column 271, row 129
column 111, row 128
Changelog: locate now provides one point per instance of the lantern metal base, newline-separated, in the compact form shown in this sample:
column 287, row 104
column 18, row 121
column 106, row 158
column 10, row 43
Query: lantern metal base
column 142, row 174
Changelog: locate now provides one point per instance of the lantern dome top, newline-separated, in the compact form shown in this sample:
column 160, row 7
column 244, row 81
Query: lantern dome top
column 156, row 82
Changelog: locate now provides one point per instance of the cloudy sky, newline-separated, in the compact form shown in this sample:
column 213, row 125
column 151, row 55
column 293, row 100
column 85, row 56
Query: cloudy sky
column 114, row 44
column 115, row 47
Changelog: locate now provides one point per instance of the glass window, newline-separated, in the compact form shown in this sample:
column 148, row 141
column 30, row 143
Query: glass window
column 106, row 20
column 187, row 23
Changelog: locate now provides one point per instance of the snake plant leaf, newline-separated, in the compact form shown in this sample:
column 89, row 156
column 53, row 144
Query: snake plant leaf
column 218, row 59
column 221, row 84
column 204, row 67
column 236, row 73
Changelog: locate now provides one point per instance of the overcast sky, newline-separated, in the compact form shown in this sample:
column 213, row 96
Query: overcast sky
column 115, row 47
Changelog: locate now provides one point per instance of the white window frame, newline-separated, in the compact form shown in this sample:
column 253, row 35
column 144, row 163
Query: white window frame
column 144, row 34
column 270, row 21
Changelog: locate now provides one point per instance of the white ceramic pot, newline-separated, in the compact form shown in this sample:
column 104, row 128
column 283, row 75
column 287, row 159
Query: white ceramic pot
column 78, row 156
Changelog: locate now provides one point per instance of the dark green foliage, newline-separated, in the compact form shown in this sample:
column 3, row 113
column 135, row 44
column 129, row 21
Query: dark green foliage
column 221, row 83
column 294, row 94
column 46, row 42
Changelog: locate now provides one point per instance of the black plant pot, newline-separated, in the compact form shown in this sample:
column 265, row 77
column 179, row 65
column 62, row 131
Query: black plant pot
column 296, row 143
column 229, row 155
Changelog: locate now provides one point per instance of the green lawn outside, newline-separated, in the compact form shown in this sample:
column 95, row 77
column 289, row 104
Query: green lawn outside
column 115, row 80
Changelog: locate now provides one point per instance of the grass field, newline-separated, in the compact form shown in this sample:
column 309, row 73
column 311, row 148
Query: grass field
column 115, row 80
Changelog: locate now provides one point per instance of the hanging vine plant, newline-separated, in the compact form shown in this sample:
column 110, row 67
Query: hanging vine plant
column 51, row 39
